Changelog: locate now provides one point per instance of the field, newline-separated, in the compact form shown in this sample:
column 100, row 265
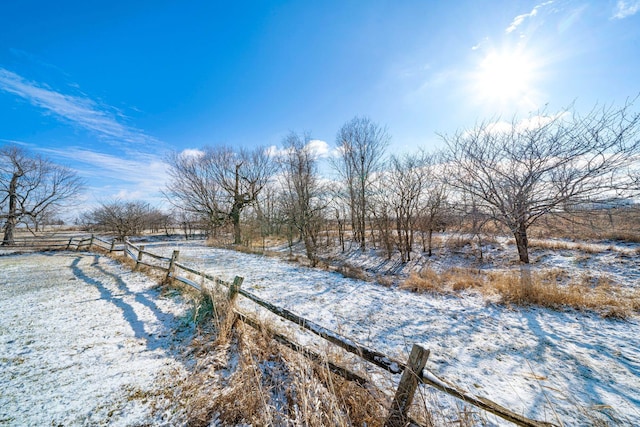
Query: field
column 80, row 338
column 565, row 366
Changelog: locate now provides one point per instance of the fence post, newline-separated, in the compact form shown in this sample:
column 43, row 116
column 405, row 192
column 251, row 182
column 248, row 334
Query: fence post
column 139, row 257
column 234, row 288
column 69, row 244
column 113, row 245
column 90, row 242
column 407, row 387
column 172, row 264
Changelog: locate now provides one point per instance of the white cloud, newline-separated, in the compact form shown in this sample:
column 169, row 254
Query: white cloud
column 518, row 20
column 540, row 121
column 129, row 195
column 522, row 125
column 191, row 152
column 81, row 111
column 318, row 147
column 273, row 151
column 625, row 9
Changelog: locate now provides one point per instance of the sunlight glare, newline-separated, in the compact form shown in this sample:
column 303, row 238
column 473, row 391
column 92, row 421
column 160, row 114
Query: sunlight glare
column 504, row 77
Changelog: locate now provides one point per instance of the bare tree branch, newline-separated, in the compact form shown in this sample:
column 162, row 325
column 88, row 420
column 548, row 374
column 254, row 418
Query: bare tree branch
column 520, row 172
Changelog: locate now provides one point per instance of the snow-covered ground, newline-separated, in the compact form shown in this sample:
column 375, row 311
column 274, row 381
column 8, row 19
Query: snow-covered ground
column 82, row 341
column 565, row 367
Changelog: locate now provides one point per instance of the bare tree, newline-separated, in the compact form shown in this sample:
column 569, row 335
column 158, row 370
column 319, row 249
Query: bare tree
column 123, row 218
column 405, row 181
column 31, row 187
column 194, row 188
column 434, row 206
column 381, row 208
column 522, row 171
column 304, row 194
column 219, row 183
column 362, row 144
column 338, row 208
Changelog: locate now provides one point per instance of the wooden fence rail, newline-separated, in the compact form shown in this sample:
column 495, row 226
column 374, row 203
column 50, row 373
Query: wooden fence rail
column 73, row 243
column 351, row 346
column 412, row 371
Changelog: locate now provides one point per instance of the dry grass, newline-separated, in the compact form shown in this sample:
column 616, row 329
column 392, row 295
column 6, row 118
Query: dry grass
column 240, row 375
column 245, row 377
column 353, row 272
column 452, row 280
column 274, row 386
column 386, row 280
column 558, row 245
column 555, row 290
column 549, row 288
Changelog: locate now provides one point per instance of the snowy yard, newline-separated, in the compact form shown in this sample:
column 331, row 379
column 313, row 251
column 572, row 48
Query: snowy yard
column 82, row 341
column 570, row 367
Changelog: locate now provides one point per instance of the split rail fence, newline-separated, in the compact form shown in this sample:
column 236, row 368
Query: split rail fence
column 413, row 371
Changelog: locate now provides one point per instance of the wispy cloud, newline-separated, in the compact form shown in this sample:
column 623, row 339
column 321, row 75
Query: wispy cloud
column 317, row 147
column 625, row 9
column 78, row 110
column 518, row 20
column 480, row 44
column 142, row 176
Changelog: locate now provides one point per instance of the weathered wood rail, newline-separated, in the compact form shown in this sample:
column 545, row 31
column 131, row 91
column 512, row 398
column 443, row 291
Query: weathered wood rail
column 413, row 371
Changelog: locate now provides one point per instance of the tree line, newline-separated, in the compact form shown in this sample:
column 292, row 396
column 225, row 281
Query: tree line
column 510, row 175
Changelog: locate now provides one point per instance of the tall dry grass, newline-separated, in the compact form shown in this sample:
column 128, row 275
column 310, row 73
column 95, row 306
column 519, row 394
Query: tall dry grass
column 240, row 375
column 549, row 288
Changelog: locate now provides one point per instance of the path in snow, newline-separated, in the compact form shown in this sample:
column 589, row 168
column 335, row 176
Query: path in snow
column 535, row 361
column 81, row 337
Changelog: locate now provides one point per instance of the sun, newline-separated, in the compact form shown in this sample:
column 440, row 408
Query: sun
column 505, row 77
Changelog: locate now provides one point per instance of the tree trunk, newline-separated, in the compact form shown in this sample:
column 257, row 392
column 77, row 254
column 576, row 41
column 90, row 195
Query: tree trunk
column 341, row 234
column 310, row 247
column 237, row 235
column 522, row 242
column 9, row 228
column 238, row 204
column 235, row 220
column 12, row 217
column 363, row 208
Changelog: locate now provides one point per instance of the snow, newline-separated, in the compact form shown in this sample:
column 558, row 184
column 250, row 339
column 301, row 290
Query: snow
column 560, row 366
column 82, row 341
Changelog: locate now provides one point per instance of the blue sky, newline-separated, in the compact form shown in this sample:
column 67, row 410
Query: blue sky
column 108, row 88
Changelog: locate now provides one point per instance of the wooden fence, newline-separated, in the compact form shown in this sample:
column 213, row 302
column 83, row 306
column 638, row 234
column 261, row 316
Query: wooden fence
column 413, row 371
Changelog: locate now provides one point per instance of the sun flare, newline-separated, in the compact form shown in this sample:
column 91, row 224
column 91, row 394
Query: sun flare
column 505, row 77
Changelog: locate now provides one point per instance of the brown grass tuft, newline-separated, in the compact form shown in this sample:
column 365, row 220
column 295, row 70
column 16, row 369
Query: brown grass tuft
column 385, row 280
column 452, row 280
column 253, row 380
column 558, row 245
column 427, row 280
column 553, row 288
column 352, row 272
